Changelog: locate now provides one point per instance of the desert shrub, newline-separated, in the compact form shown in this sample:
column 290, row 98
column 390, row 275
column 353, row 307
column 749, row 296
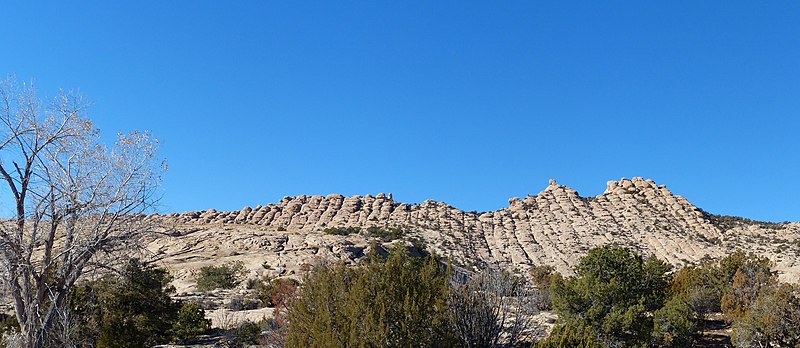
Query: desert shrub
column 751, row 275
column 342, row 231
column 386, row 234
column 675, row 324
column 132, row 309
column 244, row 334
column 613, row 293
column 190, row 322
column 726, row 222
column 242, row 303
column 541, row 277
column 399, row 301
column 276, row 292
column 137, row 308
column 492, row 309
column 225, row 276
column 571, row 335
column 701, row 287
column 772, row 320
column 252, row 283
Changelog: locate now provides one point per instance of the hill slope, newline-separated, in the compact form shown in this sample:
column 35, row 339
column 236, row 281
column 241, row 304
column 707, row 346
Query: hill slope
column 555, row 227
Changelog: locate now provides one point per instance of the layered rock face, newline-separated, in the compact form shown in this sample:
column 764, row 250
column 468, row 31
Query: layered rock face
column 555, row 227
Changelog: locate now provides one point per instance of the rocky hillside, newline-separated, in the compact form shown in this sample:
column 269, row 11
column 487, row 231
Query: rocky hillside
column 555, row 227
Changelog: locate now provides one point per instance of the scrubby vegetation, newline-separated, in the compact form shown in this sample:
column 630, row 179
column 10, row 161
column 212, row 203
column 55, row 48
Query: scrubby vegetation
column 382, row 233
column 276, row 292
column 397, row 302
column 619, row 299
column 541, row 278
column 342, row 231
column 224, row 276
column 613, row 295
column 402, row 301
column 131, row 309
column 726, row 222
column 616, row 298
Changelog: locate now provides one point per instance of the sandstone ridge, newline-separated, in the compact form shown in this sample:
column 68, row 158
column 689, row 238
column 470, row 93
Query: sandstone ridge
column 555, row 227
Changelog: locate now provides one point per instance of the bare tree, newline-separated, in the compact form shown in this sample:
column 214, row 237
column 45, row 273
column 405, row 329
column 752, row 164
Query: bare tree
column 74, row 201
column 494, row 308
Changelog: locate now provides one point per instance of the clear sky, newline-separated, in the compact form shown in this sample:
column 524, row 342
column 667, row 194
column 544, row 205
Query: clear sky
column 470, row 103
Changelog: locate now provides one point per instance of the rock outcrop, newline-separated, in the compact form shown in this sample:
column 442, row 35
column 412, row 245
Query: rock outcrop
column 555, row 227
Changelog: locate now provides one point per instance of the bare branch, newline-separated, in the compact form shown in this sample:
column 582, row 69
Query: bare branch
column 75, row 200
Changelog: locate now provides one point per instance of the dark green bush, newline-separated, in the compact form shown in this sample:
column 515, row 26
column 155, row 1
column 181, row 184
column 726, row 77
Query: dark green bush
column 383, row 233
column 571, row 335
column 701, row 287
column 387, row 233
column 675, row 324
column 225, row 276
column 132, row 309
column 245, row 334
column 190, row 322
column 397, row 302
column 614, row 294
column 342, row 231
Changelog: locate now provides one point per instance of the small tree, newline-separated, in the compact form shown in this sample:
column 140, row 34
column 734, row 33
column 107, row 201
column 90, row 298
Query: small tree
column 74, row 200
column 614, row 293
column 190, row 322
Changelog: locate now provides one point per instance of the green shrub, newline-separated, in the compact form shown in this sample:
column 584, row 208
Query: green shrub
column 132, row 309
column 571, row 335
column 137, row 308
column 342, row 231
column 386, row 234
column 190, row 322
column 675, row 324
column 614, row 293
column 700, row 287
column 397, row 302
column 245, row 334
column 225, row 276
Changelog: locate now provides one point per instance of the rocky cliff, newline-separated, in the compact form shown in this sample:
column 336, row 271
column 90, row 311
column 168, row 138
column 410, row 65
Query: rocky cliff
column 555, row 227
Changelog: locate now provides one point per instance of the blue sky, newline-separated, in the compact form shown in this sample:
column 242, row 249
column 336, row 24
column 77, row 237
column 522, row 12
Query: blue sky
column 470, row 103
